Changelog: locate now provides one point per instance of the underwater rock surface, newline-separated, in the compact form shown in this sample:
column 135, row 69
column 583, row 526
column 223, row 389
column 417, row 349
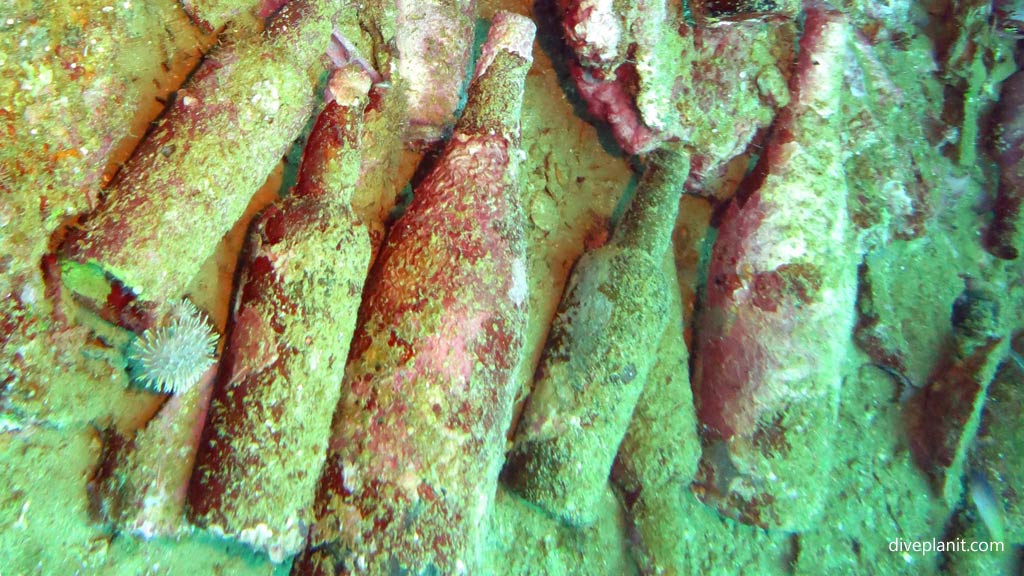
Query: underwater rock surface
column 500, row 287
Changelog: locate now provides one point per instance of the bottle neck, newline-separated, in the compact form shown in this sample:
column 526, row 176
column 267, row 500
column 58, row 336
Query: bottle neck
column 648, row 222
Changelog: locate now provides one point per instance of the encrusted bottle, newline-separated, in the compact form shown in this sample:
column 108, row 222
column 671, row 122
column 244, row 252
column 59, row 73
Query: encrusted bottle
column 419, row 434
column 779, row 307
column 600, row 349
column 181, row 191
column 280, row 378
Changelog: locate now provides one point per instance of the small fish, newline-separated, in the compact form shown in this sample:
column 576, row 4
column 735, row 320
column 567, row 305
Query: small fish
column 1017, row 359
column 988, row 506
column 907, row 389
